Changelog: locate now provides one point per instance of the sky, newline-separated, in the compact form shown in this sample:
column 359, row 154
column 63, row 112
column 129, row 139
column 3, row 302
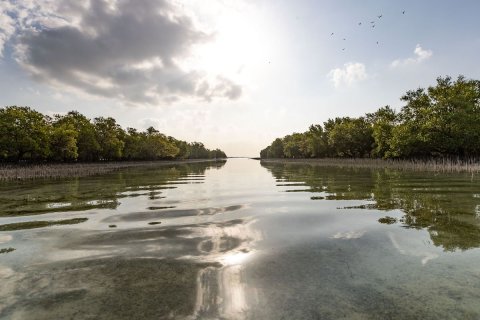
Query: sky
column 233, row 74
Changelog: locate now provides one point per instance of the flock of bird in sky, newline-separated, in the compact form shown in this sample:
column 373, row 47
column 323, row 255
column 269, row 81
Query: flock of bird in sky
column 372, row 24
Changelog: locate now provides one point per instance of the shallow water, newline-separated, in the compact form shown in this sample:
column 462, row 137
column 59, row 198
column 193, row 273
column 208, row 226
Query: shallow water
column 242, row 240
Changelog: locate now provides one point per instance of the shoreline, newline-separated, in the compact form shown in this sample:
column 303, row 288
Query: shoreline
column 440, row 165
column 9, row 172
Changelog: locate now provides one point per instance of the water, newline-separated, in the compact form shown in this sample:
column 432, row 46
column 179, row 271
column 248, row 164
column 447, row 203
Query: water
column 242, row 240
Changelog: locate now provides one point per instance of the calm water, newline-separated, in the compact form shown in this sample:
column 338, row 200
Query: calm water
column 242, row 240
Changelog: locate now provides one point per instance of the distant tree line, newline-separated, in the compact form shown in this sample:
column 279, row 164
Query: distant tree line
column 28, row 135
column 441, row 121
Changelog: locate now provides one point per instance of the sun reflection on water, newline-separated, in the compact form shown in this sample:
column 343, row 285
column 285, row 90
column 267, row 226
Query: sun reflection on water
column 235, row 258
column 222, row 292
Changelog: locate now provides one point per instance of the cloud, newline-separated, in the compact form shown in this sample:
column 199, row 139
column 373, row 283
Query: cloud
column 7, row 25
column 130, row 50
column 419, row 55
column 222, row 87
column 193, row 120
column 350, row 73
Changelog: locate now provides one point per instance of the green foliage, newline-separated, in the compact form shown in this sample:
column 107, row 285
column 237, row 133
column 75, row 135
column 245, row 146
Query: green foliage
column 316, row 141
column 23, row 134
column 197, row 150
column 63, row 143
column 350, row 137
column 109, row 136
column 383, row 121
column 27, row 135
column 441, row 121
column 217, row 154
column 296, row 146
column 88, row 147
column 152, row 145
column 276, row 149
column 183, row 148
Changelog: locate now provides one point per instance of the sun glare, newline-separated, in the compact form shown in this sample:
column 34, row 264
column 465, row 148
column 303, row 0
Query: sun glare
column 241, row 41
column 235, row 258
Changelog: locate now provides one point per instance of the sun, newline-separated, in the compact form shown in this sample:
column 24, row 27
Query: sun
column 241, row 45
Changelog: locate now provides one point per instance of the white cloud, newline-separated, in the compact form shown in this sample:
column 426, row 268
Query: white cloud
column 193, row 120
column 420, row 55
column 129, row 50
column 350, row 73
column 7, row 25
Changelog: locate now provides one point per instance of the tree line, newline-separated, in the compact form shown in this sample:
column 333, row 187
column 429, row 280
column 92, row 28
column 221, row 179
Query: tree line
column 28, row 135
column 440, row 121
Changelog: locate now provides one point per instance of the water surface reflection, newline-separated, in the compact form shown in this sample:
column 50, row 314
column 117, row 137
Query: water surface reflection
column 447, row 205
column 243, row 241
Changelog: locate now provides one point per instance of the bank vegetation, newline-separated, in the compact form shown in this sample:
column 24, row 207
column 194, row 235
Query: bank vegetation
column 437, row 126
column 30, row 137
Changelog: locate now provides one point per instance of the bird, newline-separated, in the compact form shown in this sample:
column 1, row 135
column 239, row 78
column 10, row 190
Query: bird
column 344, row 39
column 377, row 42
column 343, row 49
column 359, row 23
column 332, row 34
column 373, row 26
column 380, row 16
column 403, row 12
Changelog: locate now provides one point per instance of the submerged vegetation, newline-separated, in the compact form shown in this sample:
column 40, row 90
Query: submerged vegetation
column 35, row 197
column 27, row 135
column 387, row 220
column 6, row 250
column 39, row 224
column 441, row 122
column 413, row 200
